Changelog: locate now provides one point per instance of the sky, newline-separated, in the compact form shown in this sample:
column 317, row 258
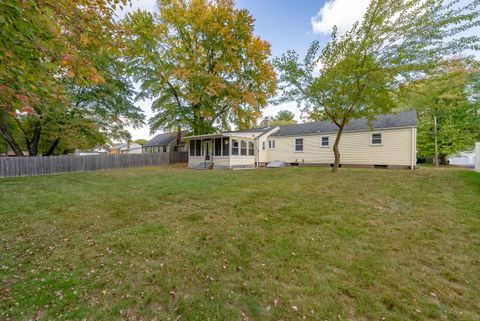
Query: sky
column 285, row 24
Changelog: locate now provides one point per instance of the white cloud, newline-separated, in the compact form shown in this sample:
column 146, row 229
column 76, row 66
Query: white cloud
column 340, row 13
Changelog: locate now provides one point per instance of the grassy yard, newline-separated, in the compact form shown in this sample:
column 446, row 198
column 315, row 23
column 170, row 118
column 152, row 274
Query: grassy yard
column 280, row 244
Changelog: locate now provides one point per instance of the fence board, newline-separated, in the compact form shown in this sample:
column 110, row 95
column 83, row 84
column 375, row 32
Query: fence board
column 31, row 166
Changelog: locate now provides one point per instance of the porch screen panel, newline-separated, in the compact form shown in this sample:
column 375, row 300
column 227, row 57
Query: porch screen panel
column 192, row 148
column 225, row 147
column 218, row 147
column 251, row 148
column 243, row 145
column 234, row 147
column 198, row 148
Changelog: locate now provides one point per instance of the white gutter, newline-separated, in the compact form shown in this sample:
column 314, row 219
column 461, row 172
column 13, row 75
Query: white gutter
column 413, row 158
column 239, row 135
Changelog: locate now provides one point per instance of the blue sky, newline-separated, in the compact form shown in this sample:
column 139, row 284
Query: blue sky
column 285, row 24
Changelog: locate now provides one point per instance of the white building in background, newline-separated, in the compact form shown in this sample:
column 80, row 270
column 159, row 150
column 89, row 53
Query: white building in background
column 463, row 159
column 127, row 148
column 477, row 160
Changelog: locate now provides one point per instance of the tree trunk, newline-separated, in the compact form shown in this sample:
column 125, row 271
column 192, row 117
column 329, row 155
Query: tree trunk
column 52, row 148
column 179, row 135
column 11, row 142
column 5, row 132
column 33, row 143
column 443, row 159
column 336, row 150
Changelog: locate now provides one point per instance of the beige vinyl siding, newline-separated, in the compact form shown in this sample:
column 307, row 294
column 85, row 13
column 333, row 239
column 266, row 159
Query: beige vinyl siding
column 355, row 148
column 262, row 155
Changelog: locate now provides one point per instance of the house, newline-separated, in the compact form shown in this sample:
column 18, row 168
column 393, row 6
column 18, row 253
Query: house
column 164, row 143
column 127, row 148
column 387, row 141
column 91, row 151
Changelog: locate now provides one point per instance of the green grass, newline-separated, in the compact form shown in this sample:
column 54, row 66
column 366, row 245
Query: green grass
column 168, row 243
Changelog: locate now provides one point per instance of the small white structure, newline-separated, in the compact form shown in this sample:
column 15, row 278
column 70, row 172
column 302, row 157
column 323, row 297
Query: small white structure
column 466, row 159
column 477, row 161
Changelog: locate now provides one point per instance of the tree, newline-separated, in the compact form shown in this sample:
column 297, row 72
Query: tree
column 284, row 117
column 201, row 63
column 448, row 96
column 61, row 74
column 355, row 74
column 141, row 141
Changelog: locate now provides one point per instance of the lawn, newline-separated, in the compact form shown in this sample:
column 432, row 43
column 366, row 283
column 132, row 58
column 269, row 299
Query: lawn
column 270, row 244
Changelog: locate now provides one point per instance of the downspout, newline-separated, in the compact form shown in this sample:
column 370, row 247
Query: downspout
column 414, row 149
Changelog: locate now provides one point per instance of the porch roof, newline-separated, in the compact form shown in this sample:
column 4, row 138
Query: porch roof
column 219, row 135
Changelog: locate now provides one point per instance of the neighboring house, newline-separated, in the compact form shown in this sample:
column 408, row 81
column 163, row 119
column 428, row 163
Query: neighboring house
column 463, row 159
column 387, row 141
column 127, row 148
column 92, row 151
column 164, row 143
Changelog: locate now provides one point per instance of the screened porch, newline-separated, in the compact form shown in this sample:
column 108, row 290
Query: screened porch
column 221, row 151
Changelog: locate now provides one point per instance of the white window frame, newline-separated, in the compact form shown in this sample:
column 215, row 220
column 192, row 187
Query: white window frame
column 264, row 145
column 381, row 139
column 233, row 141
column 295, row 145
column 272, row 144
column 321, row 141
column 250, row 143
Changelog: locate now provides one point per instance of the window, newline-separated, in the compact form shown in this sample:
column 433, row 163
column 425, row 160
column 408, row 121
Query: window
column 263, row 145
column 325, row 141
column 225, row 147
column 251, row 149
column 192, row 148
column 198, row 148
column 271, row 144
column 299, row 144
column 165, row 148
column 218, row 147
column 243, row 149
column 234, row 147
column 376, row 139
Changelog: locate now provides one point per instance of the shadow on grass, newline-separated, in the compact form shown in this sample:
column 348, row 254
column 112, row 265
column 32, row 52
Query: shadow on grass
column 472, row 178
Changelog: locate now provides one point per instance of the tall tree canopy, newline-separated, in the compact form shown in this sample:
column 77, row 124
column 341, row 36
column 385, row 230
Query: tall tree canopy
column 284, row 117
column 201, row 63
column 61, row 75
column 449, row 94
column 355, row 74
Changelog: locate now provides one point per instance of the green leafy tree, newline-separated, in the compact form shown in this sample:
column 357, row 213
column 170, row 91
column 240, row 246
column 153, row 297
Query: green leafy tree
column 284, row 117
column 449, row 96
column 354, row 75
column 141, row 141
column 201, row 63
column 61, row 74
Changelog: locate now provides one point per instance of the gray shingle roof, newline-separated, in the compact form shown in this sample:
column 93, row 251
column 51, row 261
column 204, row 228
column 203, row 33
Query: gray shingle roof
column 251, row 130
column 119, row 146
column 404, row 119
column 161, row 139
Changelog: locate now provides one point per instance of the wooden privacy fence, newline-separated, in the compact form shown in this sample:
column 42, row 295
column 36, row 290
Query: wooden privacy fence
column 30, row 166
